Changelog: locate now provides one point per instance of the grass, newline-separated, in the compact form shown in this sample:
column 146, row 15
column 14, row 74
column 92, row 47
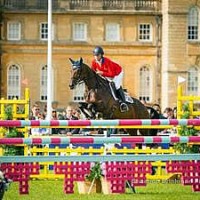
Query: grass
column 53, row 190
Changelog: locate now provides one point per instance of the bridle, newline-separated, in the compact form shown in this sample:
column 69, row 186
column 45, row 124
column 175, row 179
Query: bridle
column 77, row 80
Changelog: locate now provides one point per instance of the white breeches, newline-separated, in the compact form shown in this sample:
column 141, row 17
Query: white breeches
column 118, row 80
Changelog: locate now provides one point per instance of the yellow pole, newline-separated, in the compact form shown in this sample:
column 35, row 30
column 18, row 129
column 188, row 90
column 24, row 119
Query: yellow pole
column 191, row 108
column 14, row 109
column 2, row 110
column 26, row 111
column 27, row 98
column 179, row 101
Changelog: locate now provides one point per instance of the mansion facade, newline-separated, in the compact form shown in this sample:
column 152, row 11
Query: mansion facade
column 155, row 41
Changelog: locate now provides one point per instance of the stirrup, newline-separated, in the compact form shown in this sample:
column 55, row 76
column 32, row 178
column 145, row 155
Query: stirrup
column 124, row 107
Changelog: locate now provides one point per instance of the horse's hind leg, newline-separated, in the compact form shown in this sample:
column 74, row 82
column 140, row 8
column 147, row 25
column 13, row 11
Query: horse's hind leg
column 132, row 132
column 145, row 132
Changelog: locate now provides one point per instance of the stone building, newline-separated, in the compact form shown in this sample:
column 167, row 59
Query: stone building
column 154, row 40
column 180, row 48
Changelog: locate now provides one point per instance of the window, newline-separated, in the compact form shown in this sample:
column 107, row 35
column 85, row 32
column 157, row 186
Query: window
column 41, row 4
column 145, row 32
column 79, row 31
column 192, row 86
column 145, row 89
column 112, row 32
column 14, row 31
column 43, row 84
column 14, row 3
column 44, row 31
column 8, row 3
column 13, row 82
column 78, row 93
column 193, row 24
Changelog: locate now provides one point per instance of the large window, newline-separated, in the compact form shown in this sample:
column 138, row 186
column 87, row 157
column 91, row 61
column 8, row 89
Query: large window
column 79, row 31
column 43, row 84
column 42, row 4
column 13, row 82
column 112, row 32
column 44, row 31
column 14, row 31
column 193, row 27
column 145, row 32
column 78, row 93
column 14, row 3
column 192, row 83
column 145, row 84
column 8, row 3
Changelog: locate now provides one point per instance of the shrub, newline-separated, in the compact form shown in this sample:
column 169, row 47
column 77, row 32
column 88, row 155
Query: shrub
column 95, row 172
column 187, row 131
column 11, row 132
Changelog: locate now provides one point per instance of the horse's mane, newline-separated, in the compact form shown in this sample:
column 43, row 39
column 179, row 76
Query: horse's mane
column 100, row 80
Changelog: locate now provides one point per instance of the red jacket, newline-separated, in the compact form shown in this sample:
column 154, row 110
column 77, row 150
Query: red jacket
column 108, row 67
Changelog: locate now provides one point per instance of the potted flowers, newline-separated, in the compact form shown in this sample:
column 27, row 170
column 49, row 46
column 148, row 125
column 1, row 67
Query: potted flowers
column 95, row 181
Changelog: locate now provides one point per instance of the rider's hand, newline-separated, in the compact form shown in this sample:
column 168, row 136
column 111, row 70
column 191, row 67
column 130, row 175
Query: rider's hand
column 69, row 134
column 99, row 72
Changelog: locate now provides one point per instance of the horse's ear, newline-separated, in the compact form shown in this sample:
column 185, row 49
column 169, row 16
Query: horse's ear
column 71, row 61
column 81, row 61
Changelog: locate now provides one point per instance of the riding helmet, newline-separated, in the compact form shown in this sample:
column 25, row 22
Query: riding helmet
column 98, row 50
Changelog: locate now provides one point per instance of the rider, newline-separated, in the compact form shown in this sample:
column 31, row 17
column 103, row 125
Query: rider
column 107, row 68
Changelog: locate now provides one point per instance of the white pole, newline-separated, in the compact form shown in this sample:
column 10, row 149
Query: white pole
column 49, row 62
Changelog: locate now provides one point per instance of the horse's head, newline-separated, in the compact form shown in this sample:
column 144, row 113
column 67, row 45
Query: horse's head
column 81, row 72
column 76, row 73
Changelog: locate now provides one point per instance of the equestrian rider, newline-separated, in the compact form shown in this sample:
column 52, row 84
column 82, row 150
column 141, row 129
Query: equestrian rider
column 111, row 70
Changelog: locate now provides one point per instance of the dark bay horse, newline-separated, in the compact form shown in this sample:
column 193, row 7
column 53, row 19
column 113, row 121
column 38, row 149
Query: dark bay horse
column 99, row 93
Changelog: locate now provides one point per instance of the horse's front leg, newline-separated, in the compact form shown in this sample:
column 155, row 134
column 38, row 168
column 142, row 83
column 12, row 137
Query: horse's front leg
column 90, row 96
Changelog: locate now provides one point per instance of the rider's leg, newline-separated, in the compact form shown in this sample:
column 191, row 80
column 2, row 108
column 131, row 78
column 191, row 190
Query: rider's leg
column 113, row 88
column 122, row 100
column 120, row 93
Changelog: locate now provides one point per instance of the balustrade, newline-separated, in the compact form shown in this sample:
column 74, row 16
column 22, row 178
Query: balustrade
column 125, row 5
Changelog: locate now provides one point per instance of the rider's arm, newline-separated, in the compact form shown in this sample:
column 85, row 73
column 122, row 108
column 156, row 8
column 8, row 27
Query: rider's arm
column 94, row 65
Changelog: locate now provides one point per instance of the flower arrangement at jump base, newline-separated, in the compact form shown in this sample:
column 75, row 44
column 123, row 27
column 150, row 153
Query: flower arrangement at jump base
column 95, row 181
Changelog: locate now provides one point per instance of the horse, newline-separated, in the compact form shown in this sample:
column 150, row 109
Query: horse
column 99, row 93
column 153, row 115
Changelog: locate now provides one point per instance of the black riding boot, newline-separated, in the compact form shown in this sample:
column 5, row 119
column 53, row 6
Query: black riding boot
column 122, row 100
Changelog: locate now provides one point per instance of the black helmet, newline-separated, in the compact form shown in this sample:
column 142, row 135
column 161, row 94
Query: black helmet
column 98, row 50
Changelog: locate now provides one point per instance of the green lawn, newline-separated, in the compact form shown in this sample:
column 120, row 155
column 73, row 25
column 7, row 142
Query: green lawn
column 52, row 190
